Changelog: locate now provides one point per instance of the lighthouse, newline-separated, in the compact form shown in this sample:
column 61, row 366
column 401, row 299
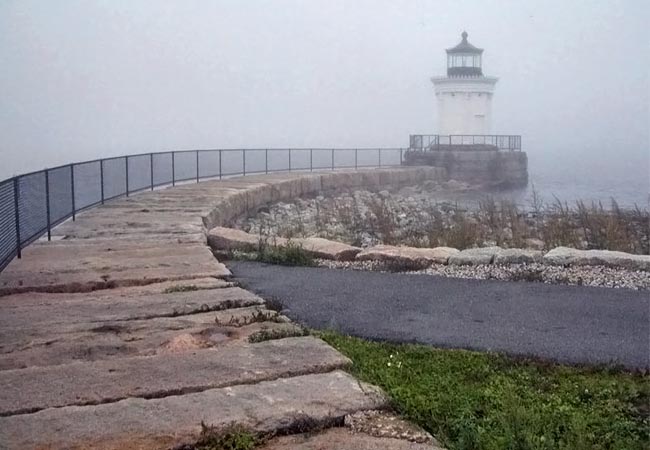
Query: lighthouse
column 464, row 96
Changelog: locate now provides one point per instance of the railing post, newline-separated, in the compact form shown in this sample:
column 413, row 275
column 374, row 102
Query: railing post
column 151, row 166
column 173, row 168
column 356, row 158
column 311, row 159
column 266, row 160
column 401, row 161
column 198, row 176
column 379, row 154
column 243, row 158
column 101, row 178
column 332, row 159
column 47, row 204
column 74, row 206
column 289, row 160
column 127, row 174
column 220, row 171
column 17, row 217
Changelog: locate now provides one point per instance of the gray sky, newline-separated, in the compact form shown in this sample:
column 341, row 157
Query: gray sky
column 85, row 79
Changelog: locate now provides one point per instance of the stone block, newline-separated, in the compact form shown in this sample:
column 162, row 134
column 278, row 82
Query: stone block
column 566, row 256
column 474, row 256
column 517, row 256
column 175, row 420
column 221, row 238
column 311, row 184
column 38, row 388
column 407, row 255
column 257, row 196
column 281, row 190
column 326, row 249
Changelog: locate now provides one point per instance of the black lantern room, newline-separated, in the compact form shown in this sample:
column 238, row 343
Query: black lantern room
column 464, row 60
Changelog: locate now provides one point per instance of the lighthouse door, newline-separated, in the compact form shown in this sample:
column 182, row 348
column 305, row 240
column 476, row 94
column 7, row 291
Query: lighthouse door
column 480, row 124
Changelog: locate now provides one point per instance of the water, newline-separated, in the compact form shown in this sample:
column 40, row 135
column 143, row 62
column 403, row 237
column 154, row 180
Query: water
column 571, row 177
column 624, row 179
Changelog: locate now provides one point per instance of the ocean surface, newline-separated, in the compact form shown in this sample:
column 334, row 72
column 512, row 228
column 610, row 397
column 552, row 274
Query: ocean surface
column 571, row 178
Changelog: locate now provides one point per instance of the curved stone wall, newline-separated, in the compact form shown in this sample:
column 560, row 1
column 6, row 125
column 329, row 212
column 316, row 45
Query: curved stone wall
column 251, row 192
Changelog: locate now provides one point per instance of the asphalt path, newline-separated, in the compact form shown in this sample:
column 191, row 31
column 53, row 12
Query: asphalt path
column 568, row 324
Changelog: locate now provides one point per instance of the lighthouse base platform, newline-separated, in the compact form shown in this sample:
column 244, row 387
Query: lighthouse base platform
column 475, row 165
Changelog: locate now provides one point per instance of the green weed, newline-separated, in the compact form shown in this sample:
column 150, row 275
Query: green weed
column 483, row 401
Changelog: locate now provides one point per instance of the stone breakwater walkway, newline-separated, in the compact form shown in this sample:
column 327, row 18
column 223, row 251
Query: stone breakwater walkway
column 125, row 332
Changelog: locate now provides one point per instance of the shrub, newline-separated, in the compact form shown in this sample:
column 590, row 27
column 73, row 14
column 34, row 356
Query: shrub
column 231, row 437
column 291, row 254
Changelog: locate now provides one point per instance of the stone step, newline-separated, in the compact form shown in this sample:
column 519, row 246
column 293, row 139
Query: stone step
column 35, row 310
column 42, row 346
column 60, row 268
column 36, row 388
column 137, row 423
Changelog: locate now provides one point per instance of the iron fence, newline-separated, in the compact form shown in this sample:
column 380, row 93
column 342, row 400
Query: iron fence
column 31, row 205
column 433, row 142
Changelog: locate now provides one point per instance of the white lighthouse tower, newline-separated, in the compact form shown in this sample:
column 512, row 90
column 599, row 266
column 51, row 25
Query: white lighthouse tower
column 464, row 96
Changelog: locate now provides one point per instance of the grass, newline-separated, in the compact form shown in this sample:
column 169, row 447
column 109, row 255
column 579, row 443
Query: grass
column 181, row 288
column 270, row 334
column 256, row 317
column 291, row 254
column 232, row 437
column 483, row 401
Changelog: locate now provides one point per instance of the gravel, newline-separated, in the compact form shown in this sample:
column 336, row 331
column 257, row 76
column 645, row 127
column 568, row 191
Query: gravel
column 596, row 276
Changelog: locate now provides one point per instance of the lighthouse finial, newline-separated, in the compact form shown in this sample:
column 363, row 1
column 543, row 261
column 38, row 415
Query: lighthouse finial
column 464, row 36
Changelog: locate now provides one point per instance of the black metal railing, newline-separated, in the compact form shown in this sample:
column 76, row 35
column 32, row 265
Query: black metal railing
column 503, row 142
column 34, row 203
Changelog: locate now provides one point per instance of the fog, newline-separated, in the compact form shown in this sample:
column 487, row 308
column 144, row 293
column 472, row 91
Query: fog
column 88, row 79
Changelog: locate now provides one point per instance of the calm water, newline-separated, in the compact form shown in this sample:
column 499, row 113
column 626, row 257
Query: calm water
column 571, row 178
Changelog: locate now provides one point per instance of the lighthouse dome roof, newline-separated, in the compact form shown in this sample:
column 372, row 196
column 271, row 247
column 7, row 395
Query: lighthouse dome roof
column 464, row 46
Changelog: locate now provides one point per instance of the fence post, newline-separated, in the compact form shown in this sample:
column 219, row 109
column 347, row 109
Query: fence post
column 289, row 160
column 356, row 156
column 220, row 171
column 401, row 161
column 173, row 168
column 266, row 160
column 198, row 177
column 101, row 178
column 311, row 159
column 151, row 165
column 74, row 206
column 243, row 158
column 47, row 204
column 127, row 175
column 17, row 216
column 332, row 159
column 379, row 154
